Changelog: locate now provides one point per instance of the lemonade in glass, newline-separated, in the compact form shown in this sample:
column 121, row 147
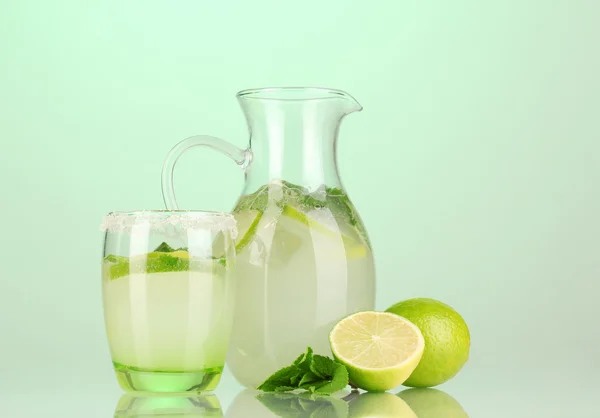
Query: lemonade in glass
column 167, row 283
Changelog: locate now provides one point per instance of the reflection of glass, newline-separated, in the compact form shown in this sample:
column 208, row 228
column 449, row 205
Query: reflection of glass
column 303, row 253
column 169, row 406
column 168, row 297
column 253, row 404
column 432, row 403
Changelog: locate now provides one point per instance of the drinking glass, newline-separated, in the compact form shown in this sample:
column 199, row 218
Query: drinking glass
column 167, row 285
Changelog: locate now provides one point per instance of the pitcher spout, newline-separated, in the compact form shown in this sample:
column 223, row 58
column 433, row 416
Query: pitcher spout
column 336, row 100
column 351, row 104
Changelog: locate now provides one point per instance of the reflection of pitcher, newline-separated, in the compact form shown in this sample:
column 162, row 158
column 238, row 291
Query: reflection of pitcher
column 304, row 258
column 250, row 404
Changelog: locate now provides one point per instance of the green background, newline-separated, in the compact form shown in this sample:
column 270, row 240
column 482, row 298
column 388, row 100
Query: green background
column 474, row 166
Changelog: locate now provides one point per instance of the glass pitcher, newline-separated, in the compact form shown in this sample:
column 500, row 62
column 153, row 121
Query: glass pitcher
column 304, row 260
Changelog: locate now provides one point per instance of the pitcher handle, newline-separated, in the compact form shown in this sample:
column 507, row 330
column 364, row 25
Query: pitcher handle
column 241, row 157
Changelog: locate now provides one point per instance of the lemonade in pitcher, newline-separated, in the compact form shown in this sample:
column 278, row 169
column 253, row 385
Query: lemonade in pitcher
column 303, row 259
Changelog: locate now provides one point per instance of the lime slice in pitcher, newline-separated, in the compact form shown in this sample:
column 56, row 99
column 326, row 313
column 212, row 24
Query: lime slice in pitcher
column 327, row 226
column 247, row 221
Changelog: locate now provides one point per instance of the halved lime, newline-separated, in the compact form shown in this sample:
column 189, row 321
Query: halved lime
column 379, row 349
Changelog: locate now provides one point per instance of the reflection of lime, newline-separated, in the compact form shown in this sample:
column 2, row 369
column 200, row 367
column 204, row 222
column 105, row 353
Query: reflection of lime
column 379, row 405
column 447, row 340
column 432, row 403
column 379, row 349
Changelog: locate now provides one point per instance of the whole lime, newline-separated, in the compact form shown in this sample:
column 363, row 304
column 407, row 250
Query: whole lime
column 447, row 340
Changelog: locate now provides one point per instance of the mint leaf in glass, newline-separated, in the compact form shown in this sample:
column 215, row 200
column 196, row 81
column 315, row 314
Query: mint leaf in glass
column 164, row 248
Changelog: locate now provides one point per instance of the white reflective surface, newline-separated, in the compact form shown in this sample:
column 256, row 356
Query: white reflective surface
column 468, row 395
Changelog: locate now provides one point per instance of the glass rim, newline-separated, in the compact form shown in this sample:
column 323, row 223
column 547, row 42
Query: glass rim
column 196, row 212
column 162, row 219
column 291, row 93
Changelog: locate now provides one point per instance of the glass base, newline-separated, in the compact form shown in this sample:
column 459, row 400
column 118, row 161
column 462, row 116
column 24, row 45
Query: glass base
column 133, row 379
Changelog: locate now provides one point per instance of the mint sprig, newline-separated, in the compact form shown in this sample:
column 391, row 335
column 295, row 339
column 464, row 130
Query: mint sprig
column 309, row 372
